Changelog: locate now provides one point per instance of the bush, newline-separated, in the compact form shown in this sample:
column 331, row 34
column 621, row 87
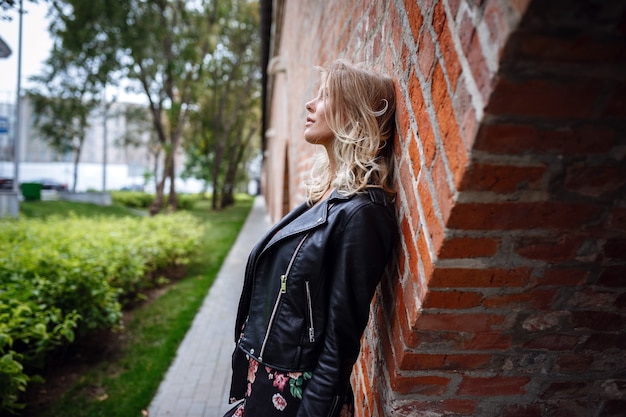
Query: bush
column 61, row 277
column 140, row 200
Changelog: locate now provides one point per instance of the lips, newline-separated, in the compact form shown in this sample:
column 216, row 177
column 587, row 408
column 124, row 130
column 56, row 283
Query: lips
column 309, row 121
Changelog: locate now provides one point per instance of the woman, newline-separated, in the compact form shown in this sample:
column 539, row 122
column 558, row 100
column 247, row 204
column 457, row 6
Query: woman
column 309, row 282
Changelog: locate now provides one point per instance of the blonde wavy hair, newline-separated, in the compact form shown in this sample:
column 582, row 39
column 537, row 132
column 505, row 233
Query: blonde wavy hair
column 361, row 114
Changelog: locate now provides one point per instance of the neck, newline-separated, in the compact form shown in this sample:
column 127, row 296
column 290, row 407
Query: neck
column 331, row 160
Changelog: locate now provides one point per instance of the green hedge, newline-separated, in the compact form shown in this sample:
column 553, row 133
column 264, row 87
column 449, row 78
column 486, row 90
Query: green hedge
column 140, row 200
column 65, row 277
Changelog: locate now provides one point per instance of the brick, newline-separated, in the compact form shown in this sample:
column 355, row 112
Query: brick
column 466, row 32
column 464, row 108
column 579, row 50
column 454, row 7
column 439, row 19
column 424, row 255
column 402, row 330
column 488, row 341
column 613, row 276
column 425, row 131
column 479, row 278
column 435, row 340
column 616, row 106
column 496, row 22
column 446, row 44
column 566, row 390
column 468, row 247
column 615, row 248
column 517, row 139
column 406, row 55
column 618, row 218
column 420, row 385
column 502, row 179
column 604, row 341
column 431, row 220
column 483, row 77
column 469, row 322
column 552, row 249
column 426, row 54
column 545, row 320
column 431, row 362
column 569, row 407
column 564, row 277
column 550, row 99
column 402, row 117
column 594, row 181
column 445, row 199
column 521, row 215
column 450, row 407
column 456, row 153
column 414, row 153
column 452, row 299
column 535, row 300
column 407, row 235
column 493, row 386
column 601, row 321
column 521, row 410
column 573, row 362
column 520, row 5
column 552, row 342
column 415, row 18
column 613, row 408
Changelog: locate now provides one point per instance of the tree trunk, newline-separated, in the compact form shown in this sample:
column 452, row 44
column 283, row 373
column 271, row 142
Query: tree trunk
column 172, row 202
column 77, row 152
column 157, row 204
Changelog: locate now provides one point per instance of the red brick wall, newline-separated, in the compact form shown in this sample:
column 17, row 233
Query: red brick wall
column 507, row 297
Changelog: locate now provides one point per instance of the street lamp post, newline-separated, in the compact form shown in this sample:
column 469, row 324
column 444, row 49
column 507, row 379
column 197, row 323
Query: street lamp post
column 16, row 141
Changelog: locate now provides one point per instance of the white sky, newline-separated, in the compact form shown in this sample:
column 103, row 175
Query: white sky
column 36, row 45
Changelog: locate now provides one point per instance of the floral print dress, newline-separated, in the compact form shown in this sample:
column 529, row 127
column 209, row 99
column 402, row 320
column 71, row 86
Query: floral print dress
column 276, row 393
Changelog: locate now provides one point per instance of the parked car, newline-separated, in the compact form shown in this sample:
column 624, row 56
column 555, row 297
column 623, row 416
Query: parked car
column 132, row 187
column 6, row 183
column 49, row 184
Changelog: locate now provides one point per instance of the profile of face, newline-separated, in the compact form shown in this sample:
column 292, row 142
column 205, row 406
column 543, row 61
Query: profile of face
column 316, row 129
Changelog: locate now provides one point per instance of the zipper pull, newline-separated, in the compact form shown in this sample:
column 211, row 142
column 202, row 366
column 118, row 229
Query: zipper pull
column 311, row 335
column 283, row 284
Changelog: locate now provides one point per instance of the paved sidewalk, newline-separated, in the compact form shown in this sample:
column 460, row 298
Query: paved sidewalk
column 197, row 383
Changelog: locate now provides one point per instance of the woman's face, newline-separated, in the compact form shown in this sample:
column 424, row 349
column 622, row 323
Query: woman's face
column 316, row 129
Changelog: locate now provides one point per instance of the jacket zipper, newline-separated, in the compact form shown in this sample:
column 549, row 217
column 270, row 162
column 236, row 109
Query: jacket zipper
column 310, row 311
column 283, row 289
column 333, row 408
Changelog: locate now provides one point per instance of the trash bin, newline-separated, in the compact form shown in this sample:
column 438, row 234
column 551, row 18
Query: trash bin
column 31, row 191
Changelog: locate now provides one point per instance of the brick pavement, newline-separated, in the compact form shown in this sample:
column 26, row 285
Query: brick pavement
column 196, row 385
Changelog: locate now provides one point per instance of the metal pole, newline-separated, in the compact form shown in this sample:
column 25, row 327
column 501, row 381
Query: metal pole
column 104, row 141
column 16, row 141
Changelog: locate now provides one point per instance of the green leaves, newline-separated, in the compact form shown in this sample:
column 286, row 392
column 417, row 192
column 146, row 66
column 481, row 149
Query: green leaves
column 60, row 278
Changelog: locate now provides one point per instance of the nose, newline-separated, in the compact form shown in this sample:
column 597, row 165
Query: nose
column 309, row 106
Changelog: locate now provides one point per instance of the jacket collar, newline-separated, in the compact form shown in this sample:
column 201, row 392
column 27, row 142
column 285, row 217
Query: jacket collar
column 308, row 218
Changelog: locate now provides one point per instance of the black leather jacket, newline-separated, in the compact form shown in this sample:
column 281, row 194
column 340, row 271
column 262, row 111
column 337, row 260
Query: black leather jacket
column 307, row 292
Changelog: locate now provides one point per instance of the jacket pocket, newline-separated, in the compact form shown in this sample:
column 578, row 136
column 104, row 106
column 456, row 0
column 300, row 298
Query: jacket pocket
column 309, row 311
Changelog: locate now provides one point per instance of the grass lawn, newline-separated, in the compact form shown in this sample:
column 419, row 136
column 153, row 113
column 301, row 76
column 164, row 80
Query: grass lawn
column 119, row 378
column 39, row 209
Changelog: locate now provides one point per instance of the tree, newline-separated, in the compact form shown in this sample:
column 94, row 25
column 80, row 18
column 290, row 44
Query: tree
column 163, row 45
column 68, row 94
column 7, row 6
column 227, row 114
column 175, row 51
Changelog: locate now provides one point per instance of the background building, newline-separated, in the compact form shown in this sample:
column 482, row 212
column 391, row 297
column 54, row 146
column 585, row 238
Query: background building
column 126, row 165
column 508, row 293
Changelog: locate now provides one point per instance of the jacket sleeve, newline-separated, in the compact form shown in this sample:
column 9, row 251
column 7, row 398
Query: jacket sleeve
column 359, row 255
